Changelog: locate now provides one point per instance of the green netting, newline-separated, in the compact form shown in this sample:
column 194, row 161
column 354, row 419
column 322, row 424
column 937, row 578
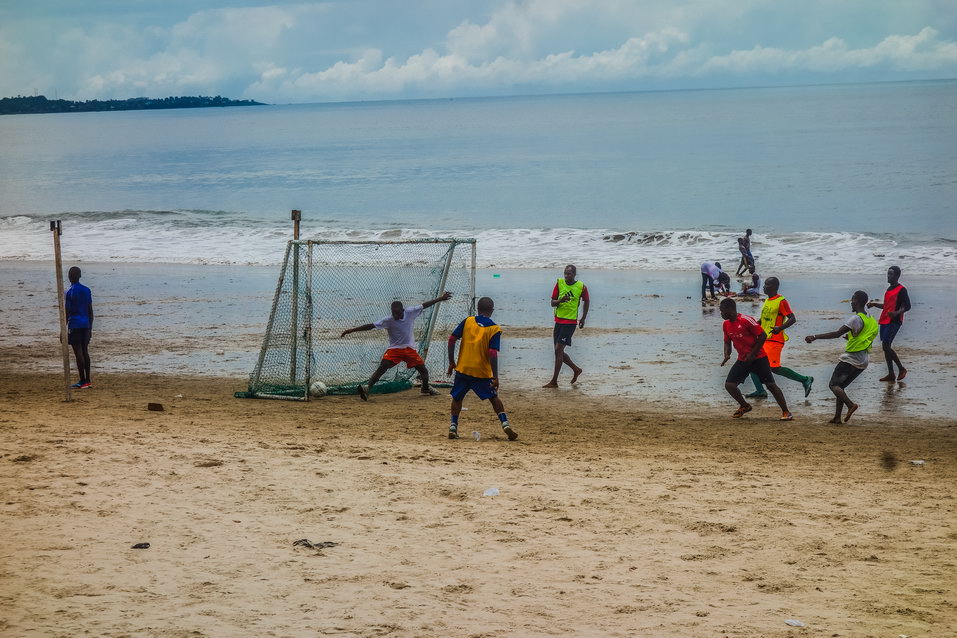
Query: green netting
column 326, row 287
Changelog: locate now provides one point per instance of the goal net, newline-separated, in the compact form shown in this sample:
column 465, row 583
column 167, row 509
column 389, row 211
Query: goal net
column 325, row 287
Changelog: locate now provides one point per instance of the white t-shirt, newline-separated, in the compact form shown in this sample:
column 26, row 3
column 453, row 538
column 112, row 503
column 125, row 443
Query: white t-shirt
column 400, row 330
column 856, row 359
column 707, row 268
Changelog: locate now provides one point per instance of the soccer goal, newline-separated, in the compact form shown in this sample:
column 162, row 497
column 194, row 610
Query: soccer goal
column 325, row 287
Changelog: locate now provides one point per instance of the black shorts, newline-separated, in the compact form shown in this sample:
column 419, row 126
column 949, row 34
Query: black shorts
column 741, row 369
column 844, row 374
column 563, row 333
column 79, row 336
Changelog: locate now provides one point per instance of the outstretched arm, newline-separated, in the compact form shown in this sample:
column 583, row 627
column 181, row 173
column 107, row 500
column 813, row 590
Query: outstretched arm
column 445, row 296
column 367, row 326
column 827, row 335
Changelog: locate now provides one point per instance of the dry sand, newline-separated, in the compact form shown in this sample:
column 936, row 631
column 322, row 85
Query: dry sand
column 614, row 518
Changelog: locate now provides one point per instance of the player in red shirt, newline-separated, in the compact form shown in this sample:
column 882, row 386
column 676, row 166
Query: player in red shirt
column 896, row 303
column 748, row 337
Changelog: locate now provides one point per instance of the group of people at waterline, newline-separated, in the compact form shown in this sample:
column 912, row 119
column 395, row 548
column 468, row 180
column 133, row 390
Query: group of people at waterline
column 759, row 343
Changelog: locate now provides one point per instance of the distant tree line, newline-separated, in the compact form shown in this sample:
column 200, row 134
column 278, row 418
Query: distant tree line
column 40, row 104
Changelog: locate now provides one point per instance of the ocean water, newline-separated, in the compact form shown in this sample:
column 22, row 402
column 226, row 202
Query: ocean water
column 844, row 178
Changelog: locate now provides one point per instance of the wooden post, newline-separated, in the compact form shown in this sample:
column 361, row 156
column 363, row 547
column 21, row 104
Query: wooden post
column 294, row 331
column 296, row 217
column 61, row 304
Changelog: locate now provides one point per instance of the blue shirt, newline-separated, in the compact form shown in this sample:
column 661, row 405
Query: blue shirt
column 482, row 320
column 79, row 301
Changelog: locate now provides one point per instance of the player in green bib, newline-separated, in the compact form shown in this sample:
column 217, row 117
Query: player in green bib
column 861, row 330
column 567, row 296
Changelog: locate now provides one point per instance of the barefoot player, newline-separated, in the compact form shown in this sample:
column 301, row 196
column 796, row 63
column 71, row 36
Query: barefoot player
column 477, row 365
column 748, row 338
column 567, row 295
column 896, row 303
column 399, row 326
column 860, row 330
column 776, row 317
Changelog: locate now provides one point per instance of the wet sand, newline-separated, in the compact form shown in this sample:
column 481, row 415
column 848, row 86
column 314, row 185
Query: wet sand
column 647, row 337
column 613, row 518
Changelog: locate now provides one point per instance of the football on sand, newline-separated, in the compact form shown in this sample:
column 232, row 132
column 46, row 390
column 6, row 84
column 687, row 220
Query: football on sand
column 317, row 389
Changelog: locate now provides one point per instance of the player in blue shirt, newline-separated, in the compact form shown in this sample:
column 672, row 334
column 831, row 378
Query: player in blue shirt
column 79, row 323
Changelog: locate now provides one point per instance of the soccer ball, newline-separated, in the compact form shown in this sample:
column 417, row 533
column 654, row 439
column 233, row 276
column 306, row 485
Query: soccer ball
column 317, row 389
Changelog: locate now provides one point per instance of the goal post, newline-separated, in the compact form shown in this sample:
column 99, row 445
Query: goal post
column 325, row 287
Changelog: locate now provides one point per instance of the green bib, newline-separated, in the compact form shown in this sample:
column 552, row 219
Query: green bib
column 865, row 337
column 569, row 309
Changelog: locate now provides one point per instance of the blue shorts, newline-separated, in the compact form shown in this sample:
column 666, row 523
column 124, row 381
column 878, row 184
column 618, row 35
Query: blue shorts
column 888, row 332
column 481, row 387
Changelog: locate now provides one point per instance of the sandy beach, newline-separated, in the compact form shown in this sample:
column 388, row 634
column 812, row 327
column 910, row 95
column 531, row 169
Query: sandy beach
column 613, row 518
column 632, row 504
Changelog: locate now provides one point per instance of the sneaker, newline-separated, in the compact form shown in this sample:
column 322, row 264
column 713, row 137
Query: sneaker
column 509, row 432
column 430, row 392
column 363, row 392
column 77, row 385
column 786, row 416
column 86, row 386
column 756, row 395
column 453, row 432
column 807, row 386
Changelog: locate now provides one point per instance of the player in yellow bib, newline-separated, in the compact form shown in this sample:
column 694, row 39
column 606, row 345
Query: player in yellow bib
column 476, row 369
column 776, row 317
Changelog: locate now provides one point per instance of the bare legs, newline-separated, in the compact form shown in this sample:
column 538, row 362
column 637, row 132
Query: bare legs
column 562, row 358
column 82, row 355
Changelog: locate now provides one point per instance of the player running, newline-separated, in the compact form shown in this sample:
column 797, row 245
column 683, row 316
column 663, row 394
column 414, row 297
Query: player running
column 399, row 326
column 896, row 303
column 477, row 365
column 860, row 330
column 776, row 317
column 567, row 295
column 748, row 338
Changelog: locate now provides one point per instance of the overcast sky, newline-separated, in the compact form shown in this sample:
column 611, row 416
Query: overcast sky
column 283, row 52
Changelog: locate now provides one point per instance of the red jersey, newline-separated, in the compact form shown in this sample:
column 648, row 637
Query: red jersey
column 742, row 332
column 894, row 299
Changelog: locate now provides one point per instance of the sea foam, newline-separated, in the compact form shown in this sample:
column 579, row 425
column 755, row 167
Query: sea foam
column 222, row 238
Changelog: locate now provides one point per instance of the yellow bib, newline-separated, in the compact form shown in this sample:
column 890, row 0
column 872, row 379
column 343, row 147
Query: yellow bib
column 769, row 316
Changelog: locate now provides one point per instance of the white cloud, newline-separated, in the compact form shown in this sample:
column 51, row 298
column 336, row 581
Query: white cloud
column 370, row 49
column 922, row 51
column 663, row 54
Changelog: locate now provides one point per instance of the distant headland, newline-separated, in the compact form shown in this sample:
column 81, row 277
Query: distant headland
column 40, row 104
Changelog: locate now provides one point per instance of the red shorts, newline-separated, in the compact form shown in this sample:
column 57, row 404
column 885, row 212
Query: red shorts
column 773, row 350
column 409, row 356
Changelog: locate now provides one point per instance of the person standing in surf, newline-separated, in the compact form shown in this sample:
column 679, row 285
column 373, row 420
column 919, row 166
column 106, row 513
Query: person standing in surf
column 896, row 303
column 567, row 296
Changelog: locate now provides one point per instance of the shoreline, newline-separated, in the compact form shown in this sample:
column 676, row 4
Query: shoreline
column 647, row 336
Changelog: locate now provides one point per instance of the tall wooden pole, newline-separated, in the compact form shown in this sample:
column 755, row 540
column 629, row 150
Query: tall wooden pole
column 296, row 217
column 61, row 304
